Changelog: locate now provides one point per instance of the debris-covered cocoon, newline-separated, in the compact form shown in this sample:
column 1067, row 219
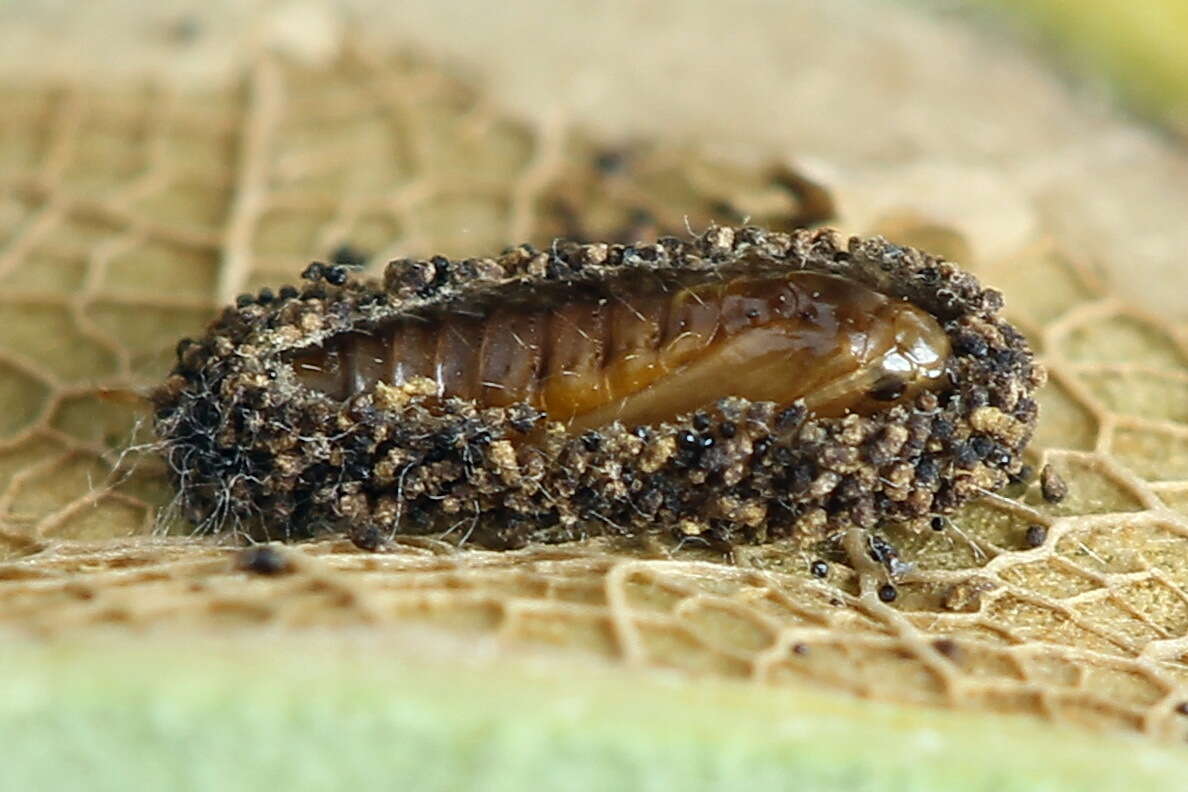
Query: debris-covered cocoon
column 255, row 443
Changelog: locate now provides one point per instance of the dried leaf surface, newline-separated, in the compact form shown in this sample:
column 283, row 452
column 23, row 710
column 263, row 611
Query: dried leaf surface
column 128, row 213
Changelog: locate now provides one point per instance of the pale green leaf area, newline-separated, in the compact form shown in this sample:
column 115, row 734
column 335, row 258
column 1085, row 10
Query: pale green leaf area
column 1138, row 46
column 350, row 714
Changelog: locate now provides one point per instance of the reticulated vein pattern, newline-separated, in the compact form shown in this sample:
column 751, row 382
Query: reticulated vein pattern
column 129, row 213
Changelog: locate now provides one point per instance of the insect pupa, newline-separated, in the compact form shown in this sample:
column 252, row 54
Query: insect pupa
column 741, row 386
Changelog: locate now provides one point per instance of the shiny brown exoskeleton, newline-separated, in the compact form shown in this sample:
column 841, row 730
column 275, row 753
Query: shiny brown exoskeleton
column 741, row 386
column 652, row 351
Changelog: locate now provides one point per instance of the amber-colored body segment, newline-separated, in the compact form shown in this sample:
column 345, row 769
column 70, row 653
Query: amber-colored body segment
column 646, row 356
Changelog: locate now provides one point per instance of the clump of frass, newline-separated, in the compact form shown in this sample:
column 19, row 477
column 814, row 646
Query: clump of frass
column 742, row 386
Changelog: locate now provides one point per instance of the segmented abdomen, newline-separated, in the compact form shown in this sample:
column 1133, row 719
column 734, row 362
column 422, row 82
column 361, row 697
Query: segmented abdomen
column 643, row 356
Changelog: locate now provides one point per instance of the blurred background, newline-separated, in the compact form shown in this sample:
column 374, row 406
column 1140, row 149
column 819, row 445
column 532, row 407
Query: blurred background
column 1034, row 102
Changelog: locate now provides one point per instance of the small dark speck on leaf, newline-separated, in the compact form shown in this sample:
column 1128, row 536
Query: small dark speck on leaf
column 184, row 30
column 348, row 256
column 610, row 161
column 1036, row 535
column 263, row 560
column 1052, row 486
column 946, row 647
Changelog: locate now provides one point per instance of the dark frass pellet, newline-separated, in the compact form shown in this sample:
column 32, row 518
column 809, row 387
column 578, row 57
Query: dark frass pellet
column 263, row 560
column 348, row 256
column 1052, row 486
column 1035, row 535
column 743, row 385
